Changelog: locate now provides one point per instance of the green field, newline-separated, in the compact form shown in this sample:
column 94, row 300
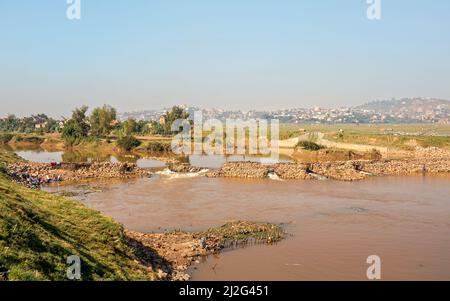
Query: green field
column 402, row 136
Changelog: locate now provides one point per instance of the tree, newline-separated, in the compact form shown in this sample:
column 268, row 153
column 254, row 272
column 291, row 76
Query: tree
column 174, row 114
column 76, row 129
column 10, row 124
column 142, row 127
column 101, row 121
column 127, row 143
column 51, row 126
column 169, row 117
column 129, row 127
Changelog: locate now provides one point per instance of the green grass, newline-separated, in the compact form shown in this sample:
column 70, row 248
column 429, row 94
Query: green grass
column 241, row 231
column 38, row 231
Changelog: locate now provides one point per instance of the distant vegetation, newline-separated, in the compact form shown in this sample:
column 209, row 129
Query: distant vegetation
column 5, row 137
column 40, row 123
column 157, row 146
column 81, row 128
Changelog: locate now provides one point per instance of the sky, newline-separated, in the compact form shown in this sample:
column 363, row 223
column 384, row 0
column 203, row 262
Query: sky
column 233, row 54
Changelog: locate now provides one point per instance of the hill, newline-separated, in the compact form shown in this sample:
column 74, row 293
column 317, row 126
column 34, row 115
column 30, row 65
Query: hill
column 406, row 105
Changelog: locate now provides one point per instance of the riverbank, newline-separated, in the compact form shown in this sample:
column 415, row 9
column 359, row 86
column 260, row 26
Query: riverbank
column 174, row 252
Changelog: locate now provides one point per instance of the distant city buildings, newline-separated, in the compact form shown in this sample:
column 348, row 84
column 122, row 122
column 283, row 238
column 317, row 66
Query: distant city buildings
column 414, row 110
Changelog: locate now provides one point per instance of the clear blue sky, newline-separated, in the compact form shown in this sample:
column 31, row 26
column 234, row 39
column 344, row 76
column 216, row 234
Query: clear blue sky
column 261, row 54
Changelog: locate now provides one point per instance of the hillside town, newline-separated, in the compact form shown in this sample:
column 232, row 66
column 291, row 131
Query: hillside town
column 416, row 110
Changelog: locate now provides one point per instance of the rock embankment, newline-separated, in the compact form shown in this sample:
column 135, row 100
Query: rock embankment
column 430, row 161
column 254, row 170
column 34, row 174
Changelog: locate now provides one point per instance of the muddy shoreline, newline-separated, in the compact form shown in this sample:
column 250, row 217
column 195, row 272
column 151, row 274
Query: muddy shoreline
column 170, row 254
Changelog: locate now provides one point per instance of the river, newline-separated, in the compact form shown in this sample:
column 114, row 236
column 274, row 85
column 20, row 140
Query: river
column 333, row 226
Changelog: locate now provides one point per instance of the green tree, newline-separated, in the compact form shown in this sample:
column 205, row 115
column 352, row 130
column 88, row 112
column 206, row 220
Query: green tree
column 166, row 128
column 174, row 114
column 128, row 142
column 142, row 127
column 52, row 126
column 101, row 121
column 129, row 127
column 10, row 124
column 76, row 129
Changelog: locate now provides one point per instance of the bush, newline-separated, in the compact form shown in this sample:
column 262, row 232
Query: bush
column 3, row 169
column 156, row 146
column 30, row 139
column 309, row 145
column 5, row 138
column 128, row 143
column 375, row 154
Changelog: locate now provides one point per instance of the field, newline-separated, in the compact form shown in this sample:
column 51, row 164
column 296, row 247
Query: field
column 403, row 137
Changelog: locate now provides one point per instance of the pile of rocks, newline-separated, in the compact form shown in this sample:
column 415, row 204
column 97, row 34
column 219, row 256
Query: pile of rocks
column 246, row 170
column 406, row 167
column 183, row 167
column 352, row 170
column 44, row 173
column 431, row 153
column 339, row 170
column 288, row 171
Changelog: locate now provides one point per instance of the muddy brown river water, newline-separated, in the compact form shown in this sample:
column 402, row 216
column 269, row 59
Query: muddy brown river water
column 333, row 226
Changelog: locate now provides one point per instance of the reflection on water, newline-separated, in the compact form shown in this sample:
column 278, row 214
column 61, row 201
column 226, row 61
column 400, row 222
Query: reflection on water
column 335, row 226
column 206, row 161
column 42, row 156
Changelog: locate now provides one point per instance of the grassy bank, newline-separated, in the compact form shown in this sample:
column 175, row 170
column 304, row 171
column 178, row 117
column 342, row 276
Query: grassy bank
column 38, row 231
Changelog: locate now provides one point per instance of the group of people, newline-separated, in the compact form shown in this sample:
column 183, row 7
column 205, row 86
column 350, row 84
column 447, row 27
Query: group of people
column 35, row 181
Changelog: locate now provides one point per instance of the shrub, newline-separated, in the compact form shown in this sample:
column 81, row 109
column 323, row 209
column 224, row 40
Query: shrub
column 5, row 138
column 156, row 146
column 309, row 145
column 128, row 143
column 3, row 169
column 30, row 139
